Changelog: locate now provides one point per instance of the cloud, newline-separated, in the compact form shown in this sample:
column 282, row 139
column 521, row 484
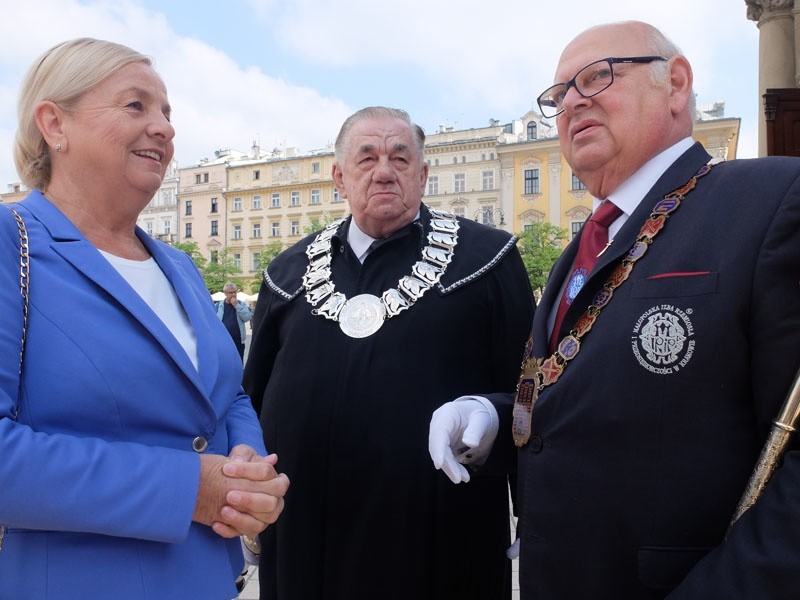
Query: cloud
column 216, row 102
column 288, row 73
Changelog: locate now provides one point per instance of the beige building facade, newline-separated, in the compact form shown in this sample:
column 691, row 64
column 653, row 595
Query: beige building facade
column 545, row 189
column 160, row 217
column 507, row 175
column 277, row 201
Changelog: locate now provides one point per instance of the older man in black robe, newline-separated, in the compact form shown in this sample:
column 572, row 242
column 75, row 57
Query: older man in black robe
column 363, row 330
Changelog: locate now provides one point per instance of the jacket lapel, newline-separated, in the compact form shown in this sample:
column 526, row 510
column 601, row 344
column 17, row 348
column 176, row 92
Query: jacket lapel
column 197, row 307
column 70, row 244
column 675, row 176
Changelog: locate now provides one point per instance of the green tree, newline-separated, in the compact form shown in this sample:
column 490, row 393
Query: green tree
column 193, row 250
column 265, row 257
column 220, row 271
column 540, row 245
column 318, row 223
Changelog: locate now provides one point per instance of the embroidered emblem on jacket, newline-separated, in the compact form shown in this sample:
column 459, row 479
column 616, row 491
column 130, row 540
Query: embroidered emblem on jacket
column 576, row 281
column 662, row 340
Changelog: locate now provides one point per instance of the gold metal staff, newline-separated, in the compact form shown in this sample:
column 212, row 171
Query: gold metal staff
column 773, row 450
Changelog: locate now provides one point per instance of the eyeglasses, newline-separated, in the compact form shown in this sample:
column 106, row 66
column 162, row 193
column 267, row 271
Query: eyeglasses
column 589, row 81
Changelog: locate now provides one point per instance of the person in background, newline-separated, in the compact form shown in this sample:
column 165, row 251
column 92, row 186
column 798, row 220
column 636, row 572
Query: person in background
column 362, row 330
column 234, row 314
column 659, row 378
column 132, row 460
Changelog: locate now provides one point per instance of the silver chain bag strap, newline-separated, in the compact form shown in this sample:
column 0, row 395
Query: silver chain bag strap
column 24, row 270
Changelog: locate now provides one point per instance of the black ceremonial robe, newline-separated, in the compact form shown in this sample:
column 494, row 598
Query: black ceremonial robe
column 367, row 515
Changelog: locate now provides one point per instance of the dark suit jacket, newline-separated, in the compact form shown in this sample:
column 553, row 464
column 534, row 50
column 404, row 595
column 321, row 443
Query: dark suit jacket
column 641, row 451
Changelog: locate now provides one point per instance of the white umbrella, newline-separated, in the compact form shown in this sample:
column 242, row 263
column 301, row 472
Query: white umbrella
column 217, row 296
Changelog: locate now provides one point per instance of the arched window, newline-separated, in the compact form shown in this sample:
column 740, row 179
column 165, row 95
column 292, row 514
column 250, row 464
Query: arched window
column 532, row 130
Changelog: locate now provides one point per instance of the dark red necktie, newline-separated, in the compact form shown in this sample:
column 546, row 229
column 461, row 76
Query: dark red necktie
column 594, row 239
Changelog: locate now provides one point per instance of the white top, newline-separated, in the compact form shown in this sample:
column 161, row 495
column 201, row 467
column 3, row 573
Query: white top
column 631, row 191
column 147, row 279
column 359, row 241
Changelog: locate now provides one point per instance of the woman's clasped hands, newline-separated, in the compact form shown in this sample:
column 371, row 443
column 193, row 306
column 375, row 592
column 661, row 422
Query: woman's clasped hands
column 241, row 494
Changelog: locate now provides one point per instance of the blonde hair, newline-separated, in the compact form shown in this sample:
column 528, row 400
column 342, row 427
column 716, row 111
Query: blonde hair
column 61, row 75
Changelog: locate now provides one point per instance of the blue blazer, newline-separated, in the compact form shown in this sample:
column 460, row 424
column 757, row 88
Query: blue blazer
column 98, row 476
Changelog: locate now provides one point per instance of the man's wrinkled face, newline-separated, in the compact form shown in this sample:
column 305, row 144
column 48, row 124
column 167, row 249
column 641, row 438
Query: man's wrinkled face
column 382, row 175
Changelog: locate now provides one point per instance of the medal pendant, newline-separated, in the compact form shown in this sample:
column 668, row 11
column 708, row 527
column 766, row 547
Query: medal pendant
column 527, row 393
column 362, row 315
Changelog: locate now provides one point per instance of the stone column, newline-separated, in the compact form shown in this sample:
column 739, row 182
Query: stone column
column 777, row 51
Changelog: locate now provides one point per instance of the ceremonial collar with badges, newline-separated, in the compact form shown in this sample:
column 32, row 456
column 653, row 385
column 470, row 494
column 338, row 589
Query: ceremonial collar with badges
column 480, row 249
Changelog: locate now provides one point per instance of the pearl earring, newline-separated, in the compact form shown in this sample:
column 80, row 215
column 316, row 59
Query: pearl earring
column 58, row 147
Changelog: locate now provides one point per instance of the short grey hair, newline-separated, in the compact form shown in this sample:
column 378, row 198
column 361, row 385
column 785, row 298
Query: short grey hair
column 229, row 286
column 661, row 45
column 376, row 112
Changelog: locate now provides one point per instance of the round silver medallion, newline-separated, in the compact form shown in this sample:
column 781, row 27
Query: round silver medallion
column 362, row 315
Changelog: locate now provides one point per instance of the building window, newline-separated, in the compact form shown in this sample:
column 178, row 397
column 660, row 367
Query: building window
column 433, row 185
column 436, row 162
column 532, row 130
column 531, row 181
column 188, row 205
column 214, row 205
column 455, row 160
column 491, row 155
column 459, row 211
column 577, row 184
column 149, row 228
column 256, row 175
column 275, row 229
column 237, row 204
column 187, row 230
column 315, row 167
column 256, row 230
column 487, row 215
column 463, row 159
column 336, row 196
column 488, row 180
column 237, row 260
column 483, row 156
column 459, row 183
column 575, row 228
column 201, row 177
column 314, row 196
column 215, row 256
column 276, row 200
column 214, row 227
column 237, row 232
column 295, row 199
column 295, row 225
column 256, row 258
column 167, row 227
column 256, row 202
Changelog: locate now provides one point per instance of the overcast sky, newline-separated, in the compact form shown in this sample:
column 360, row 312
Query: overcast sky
column 286, row 73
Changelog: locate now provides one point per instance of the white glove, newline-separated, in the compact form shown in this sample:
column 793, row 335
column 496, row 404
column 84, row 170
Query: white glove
column 462, row 432
column 513, row 550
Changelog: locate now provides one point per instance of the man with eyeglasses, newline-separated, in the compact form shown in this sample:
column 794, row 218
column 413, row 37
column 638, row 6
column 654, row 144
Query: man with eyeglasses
column 658, row 380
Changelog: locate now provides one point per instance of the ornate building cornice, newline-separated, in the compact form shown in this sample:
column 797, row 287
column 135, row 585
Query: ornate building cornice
column 755, row 8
